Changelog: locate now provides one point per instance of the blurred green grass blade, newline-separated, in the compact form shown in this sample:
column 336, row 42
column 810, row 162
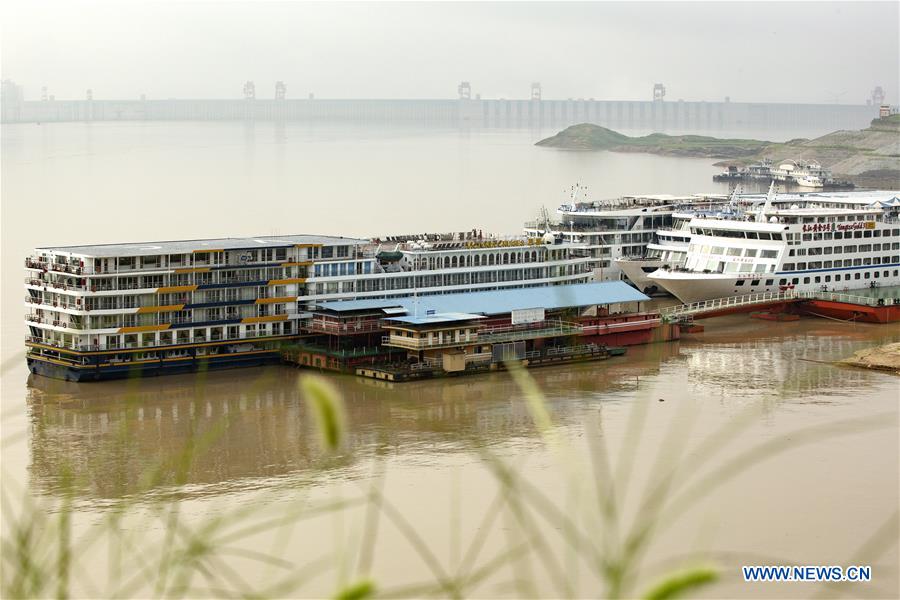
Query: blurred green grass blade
column 534, row 398
column 357, row 591
column 327, row 405
column 685, row 582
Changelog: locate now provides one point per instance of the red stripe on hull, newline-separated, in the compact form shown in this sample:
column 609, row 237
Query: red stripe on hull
column 852, row 312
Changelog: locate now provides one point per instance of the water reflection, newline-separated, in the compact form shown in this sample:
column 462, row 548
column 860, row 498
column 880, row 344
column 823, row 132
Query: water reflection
column 788, row 361
column 259, row 434
column 255, row 422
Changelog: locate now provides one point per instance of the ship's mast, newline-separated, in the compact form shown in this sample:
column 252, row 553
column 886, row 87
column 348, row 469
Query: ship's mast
column 770, row 197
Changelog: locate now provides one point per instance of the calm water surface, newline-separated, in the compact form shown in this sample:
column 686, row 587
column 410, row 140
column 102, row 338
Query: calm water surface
column 425, row 444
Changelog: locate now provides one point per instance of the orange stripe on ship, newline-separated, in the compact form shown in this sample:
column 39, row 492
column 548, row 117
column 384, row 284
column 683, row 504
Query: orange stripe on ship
column 264, row 319
column 159, row 309
column 142, row 328
column 277, row 300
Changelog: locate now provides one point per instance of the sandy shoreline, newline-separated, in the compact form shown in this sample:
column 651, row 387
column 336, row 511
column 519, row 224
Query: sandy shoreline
column 882, row 358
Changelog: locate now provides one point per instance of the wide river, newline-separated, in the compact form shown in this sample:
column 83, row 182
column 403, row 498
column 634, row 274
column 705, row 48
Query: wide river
column 737, row 446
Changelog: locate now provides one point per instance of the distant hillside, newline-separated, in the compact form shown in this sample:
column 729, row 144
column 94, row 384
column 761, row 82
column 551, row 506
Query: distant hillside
column 588, row 136
column 869, row 157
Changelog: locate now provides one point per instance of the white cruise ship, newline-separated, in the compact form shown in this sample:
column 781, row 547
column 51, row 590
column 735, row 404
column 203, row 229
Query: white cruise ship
column 669, row 249
column 835, row 241
column 116, row 310
column 614, row 229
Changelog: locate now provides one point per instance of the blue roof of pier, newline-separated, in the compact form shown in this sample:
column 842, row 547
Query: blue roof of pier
column 497, row 302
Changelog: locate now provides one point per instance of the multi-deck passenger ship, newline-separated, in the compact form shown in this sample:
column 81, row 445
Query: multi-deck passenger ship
column 614, row 229
column 113, row 310
column 670, row 247
column 806, row 242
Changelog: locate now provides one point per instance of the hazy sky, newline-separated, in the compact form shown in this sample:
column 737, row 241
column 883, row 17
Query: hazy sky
column 790, row 52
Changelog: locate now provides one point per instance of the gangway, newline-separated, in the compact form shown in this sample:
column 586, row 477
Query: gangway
column 727, row 305
column 734, row 304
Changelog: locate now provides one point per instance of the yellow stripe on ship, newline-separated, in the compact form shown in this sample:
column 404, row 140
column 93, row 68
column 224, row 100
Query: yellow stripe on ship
column 172, row 289
column 142, row 328
column 277, row 300
column 308, row 245
column 159, row 309
column 302, row 263
column 61, row 362
column 264, row 319
column 208, row 250
column 286, row 281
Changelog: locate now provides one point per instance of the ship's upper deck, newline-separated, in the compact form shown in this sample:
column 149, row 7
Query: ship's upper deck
column 200, row 245
column 645, row 203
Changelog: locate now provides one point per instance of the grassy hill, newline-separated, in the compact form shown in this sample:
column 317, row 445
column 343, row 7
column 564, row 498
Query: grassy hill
column 587, row 136
column 869, row 157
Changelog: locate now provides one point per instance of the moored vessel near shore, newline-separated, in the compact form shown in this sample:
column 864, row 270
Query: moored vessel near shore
column 821, row 241
column 804, row 174
column 809, row 181
column 115, row 310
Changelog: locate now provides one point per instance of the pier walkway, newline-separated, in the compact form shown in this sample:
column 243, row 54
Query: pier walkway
column 854, row 305
column 717, row 307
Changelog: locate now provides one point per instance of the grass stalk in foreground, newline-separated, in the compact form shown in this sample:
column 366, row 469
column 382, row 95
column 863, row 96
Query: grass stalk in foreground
column 544, row 540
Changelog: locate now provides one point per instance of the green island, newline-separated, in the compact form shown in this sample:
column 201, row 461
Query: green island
column 868, row 157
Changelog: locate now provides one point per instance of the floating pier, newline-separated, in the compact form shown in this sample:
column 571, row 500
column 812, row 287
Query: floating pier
column 412, row 338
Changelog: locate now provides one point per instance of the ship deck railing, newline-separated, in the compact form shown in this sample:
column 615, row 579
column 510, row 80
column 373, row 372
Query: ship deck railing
column 396, row 341
column 566, row 350
column 346, row 328
column 846, row 298
column 174, row 346
column 355, row 352
column 48, row 304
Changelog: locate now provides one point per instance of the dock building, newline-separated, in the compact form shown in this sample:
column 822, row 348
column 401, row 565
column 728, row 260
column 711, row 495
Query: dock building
column 478, row 331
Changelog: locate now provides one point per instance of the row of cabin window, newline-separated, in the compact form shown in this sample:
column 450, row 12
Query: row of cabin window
column 847, row 262
column 483, row 260
column 842, row 235
column 342, row 268
column 746, row 252
column 256, row 255
column 728, row 233
column 716, row 266
column 201, row 334
column 820, row 278
column 463, row 278
column 216, row 295
column 431, row 334
column 837, row 219
column 154, row 281
column 175, row 260
column 818, row 250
